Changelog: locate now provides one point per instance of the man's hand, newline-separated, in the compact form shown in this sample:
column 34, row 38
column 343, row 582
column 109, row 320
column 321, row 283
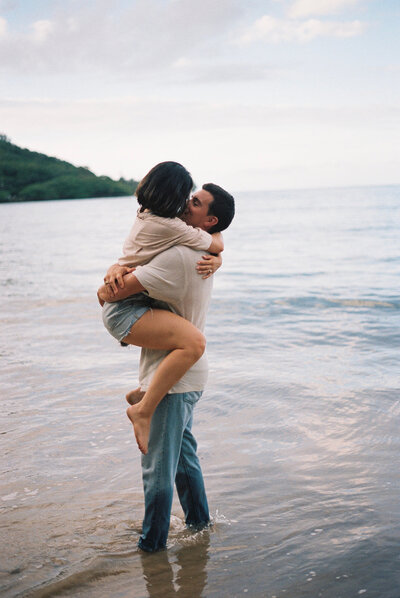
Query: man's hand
column 115, row 277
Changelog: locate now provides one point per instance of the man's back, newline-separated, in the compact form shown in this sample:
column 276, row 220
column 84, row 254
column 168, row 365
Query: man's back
column 171, row 277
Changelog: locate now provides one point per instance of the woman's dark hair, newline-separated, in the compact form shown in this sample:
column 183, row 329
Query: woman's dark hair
column 165, row 190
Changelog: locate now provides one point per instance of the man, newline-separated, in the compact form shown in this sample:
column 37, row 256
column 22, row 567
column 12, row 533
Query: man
column 171, row 277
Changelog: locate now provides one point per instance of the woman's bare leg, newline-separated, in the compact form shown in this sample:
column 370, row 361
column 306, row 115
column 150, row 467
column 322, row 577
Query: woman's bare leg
column 161, row 329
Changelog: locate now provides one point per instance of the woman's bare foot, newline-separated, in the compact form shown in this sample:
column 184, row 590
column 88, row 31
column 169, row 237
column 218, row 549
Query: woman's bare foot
column 141, row 426
column 135, row 396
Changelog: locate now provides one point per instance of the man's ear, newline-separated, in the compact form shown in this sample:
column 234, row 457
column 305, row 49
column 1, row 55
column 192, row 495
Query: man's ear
column 211, row 221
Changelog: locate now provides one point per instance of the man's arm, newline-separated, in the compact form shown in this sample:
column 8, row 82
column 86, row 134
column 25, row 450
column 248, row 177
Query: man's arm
column 131, row 286
column 163, row 278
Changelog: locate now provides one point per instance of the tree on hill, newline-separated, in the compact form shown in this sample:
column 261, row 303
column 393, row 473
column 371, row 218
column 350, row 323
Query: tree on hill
column 31, row 176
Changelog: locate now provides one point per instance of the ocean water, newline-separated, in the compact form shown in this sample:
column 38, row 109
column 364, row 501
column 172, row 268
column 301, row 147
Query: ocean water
column 298, row 430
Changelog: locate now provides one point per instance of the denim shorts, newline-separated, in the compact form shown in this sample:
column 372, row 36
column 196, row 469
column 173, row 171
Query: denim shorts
column 119, row 317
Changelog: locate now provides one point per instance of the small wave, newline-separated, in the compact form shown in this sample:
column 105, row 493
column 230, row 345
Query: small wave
column 364, row 303
column 323, row 302
column 97, row 569
column 181, row 535
column 176, row 524
column 220, row 519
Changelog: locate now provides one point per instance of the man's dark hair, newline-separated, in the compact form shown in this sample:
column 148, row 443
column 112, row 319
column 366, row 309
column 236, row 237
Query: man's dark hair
column 165, row 189
column 222, row 206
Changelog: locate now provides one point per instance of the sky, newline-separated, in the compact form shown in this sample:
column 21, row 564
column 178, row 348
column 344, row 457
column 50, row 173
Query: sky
column 249, row 94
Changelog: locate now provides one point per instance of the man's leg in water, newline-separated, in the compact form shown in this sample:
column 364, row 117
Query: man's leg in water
column 159, row 467
column 189, row 482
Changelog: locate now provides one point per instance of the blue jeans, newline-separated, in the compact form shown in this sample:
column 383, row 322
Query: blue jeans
column 172, row 459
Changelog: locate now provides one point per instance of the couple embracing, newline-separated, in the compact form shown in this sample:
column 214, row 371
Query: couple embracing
column 157, row 297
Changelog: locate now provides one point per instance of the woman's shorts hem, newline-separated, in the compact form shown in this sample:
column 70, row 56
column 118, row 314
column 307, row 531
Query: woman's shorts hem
column 119, row 317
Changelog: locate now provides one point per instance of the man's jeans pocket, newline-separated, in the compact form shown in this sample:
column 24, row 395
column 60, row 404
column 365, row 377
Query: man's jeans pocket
column 192, row 397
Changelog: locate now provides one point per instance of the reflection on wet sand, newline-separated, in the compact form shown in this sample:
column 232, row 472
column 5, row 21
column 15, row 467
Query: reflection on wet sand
column 177, row 573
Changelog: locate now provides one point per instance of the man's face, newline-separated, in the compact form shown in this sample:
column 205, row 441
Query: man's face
column 196, row 213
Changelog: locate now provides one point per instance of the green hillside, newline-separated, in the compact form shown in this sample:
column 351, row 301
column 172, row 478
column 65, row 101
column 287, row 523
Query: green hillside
column 30, row 176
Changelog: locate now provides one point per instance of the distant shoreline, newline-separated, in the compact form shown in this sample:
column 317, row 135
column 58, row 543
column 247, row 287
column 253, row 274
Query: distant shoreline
column 31, row 176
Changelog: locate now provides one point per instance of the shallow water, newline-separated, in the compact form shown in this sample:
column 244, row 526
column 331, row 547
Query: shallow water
column 298, row 430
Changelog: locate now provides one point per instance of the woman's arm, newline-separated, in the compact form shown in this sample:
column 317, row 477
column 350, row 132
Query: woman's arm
column 208, row 265
column 115, row 276
column 217, row 244
column 131, row 286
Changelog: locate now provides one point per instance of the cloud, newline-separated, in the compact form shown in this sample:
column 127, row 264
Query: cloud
column 273, row 30
column 224, row 72
column 182, row 63
column 133, row 39
column 390, row 68
column 3, row 27
column 134, row 114
column 306, row 8
column 41, row 30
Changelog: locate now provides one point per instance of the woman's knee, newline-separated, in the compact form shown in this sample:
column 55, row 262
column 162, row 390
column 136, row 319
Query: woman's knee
column 198, row 346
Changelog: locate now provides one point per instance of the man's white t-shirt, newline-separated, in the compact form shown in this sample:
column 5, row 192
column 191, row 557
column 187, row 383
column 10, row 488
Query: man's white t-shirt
column 171, row 277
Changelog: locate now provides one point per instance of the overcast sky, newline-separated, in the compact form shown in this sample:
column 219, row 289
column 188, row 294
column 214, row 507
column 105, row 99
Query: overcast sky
column 250, row 94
